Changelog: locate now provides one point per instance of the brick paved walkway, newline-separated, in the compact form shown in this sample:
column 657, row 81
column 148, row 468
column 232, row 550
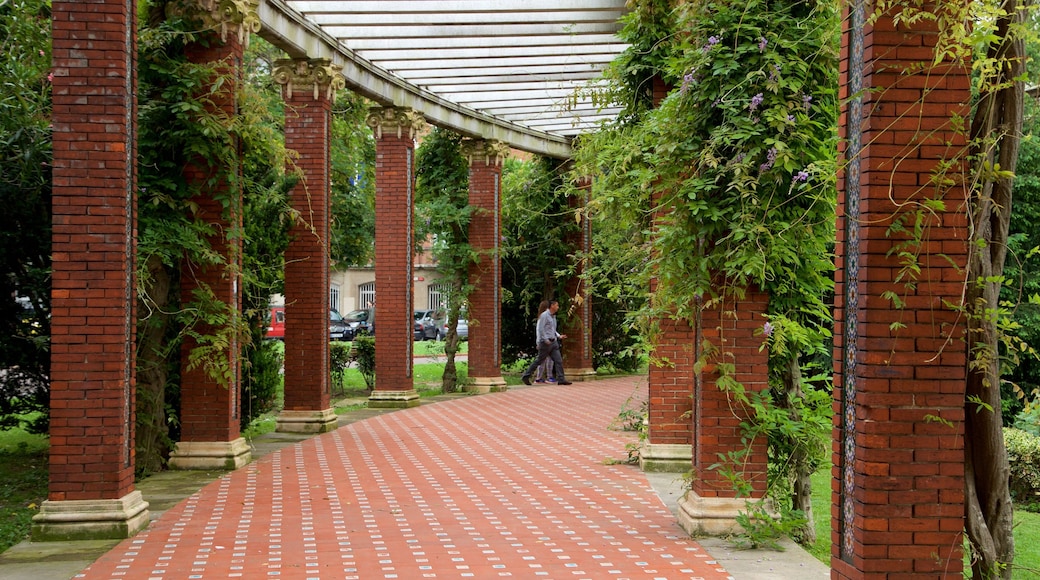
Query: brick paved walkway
column 518, row 484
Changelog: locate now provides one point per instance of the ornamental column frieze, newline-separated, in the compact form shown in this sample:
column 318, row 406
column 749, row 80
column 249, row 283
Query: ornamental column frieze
column 315, row 75
column 308, row 88
column 395, row 130
column 485, row 234
column 237, row 18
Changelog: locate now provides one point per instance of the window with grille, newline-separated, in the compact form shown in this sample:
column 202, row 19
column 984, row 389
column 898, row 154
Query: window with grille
column 334, row 297
column 367, row 295
column 437, row 294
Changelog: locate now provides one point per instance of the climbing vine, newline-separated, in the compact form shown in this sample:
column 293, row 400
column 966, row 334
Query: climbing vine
column 732, row 176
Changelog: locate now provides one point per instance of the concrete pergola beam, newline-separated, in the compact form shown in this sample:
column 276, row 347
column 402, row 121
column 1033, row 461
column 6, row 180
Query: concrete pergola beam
column 299, row 38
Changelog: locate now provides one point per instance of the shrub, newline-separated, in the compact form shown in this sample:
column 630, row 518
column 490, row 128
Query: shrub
column 365, row 354
column 1024, row 457
column 342, row 354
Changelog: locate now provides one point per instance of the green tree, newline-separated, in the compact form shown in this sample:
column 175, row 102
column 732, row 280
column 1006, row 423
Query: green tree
column 536, row 260
column 995, row 133
column 443, row 211
column 353, row 151
column 25, row 192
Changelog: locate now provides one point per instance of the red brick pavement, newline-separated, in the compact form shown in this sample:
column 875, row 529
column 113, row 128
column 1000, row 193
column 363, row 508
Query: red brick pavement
column 517, row 484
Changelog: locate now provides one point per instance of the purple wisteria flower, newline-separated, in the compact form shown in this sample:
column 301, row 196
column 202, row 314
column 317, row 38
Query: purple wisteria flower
column 807, row 101
column 762, row 44
column 790, row 118
column 775, row 74
column 712, row 41
column 688, row 80
column 755, row 102
column 801, row 176
column 767, row 329
column 770, row 160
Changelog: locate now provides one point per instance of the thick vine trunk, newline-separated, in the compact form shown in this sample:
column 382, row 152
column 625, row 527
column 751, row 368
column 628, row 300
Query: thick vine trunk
column 801, row 464
column 995, row 135
column 450, row 378
column 152, row 431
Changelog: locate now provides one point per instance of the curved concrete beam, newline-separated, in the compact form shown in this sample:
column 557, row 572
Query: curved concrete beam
column 288, row 30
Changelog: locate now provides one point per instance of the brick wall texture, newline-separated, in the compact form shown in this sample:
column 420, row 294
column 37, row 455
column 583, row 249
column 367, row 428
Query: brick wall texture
column 307, row 258
column 394, row 248
column 577, row 348
column 731, row 328
column 95, row 228
column 898, row 487
column 485, row 341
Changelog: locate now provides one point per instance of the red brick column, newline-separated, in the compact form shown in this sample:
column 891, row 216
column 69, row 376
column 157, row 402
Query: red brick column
column 395, row 130
column 712, row 505
column 485, row 234
column 577, row 347
column 667, row 446
column 308, row 88
column 93, row 320
column 210, row 407
column 898, row 484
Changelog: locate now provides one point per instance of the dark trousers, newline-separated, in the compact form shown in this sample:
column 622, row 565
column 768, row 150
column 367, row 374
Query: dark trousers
column 548, row 350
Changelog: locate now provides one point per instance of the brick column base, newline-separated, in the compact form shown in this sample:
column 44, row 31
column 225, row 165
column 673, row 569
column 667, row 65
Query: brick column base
column 665, row 457
column 91, row 519
column 210, row 454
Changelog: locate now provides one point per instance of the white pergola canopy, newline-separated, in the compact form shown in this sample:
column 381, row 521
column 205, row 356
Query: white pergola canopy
column 497, row 69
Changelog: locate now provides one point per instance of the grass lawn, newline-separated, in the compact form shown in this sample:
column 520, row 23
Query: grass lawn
column 23, row 483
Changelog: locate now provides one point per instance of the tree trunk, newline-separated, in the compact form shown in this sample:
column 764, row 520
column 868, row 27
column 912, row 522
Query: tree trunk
column 152, row 431
column 995, row 135
column 450, row 378
column 801, row 465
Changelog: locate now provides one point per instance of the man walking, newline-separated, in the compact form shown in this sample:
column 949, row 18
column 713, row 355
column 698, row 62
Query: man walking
column 548, row 345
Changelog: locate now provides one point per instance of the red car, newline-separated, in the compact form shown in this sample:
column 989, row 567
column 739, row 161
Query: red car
column 276, row 327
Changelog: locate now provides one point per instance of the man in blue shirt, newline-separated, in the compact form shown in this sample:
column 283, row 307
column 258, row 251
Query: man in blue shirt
column 548, row 345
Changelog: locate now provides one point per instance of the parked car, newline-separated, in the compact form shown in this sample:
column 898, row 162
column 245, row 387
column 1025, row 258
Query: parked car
column 461, row 329
column 276, row 326
column 431, row 321
column 421, row 318
column 338, row 328
column 361, row 321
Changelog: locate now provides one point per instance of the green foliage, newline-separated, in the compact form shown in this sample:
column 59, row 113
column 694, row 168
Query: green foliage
column 1021, row 370
column 25, row 190
column 365, row 355
column 762, row 529
column 444, row 213
column 1024, row 459
column 353, row 162
column 341, row 355
column 729, row 183
column 177, row 129
column 741, row 155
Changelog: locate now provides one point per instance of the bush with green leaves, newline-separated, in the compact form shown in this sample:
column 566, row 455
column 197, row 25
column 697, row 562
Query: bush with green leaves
column 365, row 355
column 25, row 193
column 1024, row 459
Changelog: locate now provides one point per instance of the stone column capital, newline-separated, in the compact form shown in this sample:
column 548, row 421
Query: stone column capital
column 493, row 152
column 398, row 119
column 323, row 77
column 239, row 16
